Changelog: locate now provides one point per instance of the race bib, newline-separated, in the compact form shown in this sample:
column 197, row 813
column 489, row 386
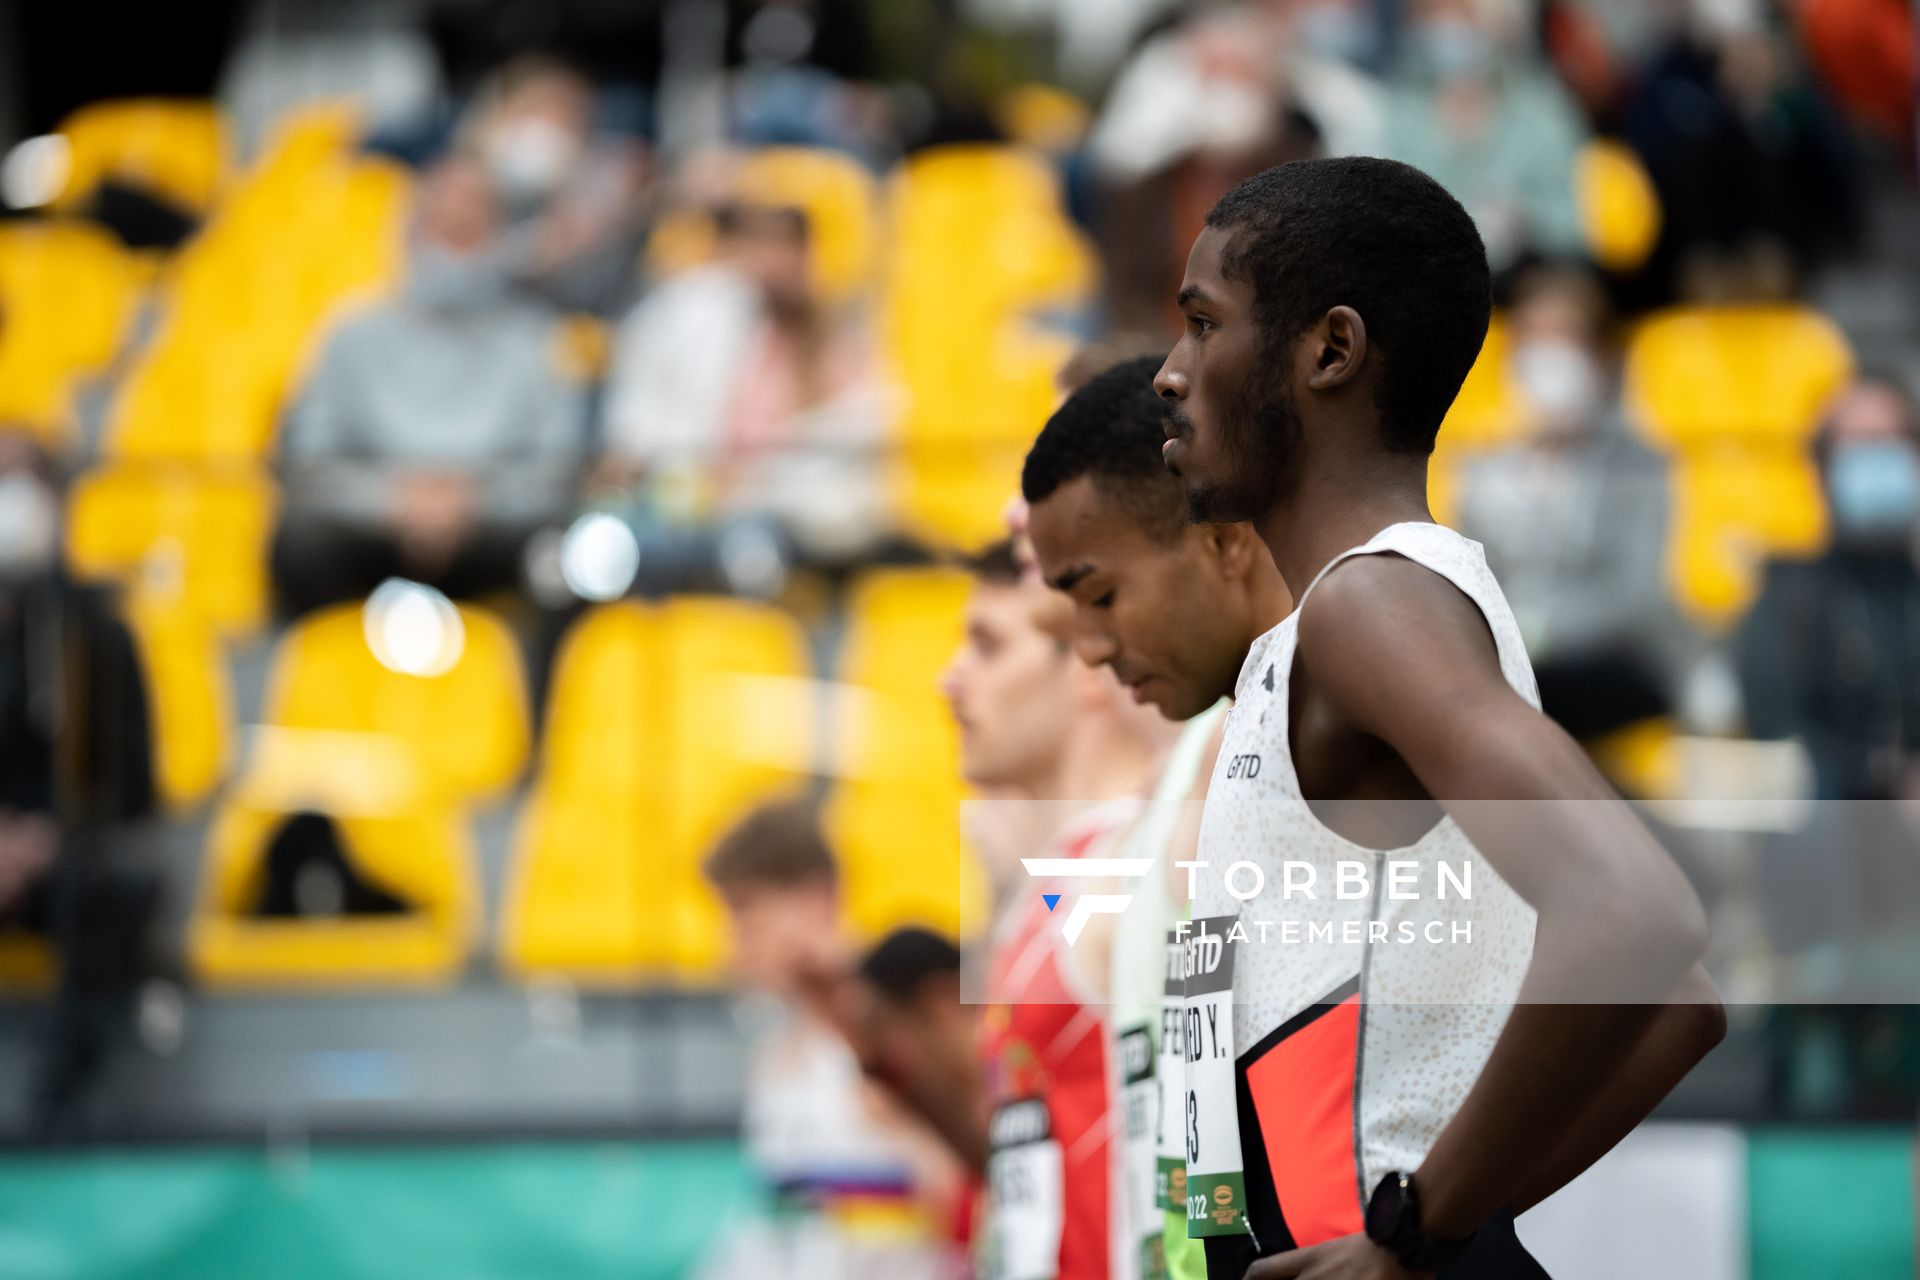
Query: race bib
column 1140, row 1108
column 1025, row 1191
column 1170, row 1147
column 1216, row 1190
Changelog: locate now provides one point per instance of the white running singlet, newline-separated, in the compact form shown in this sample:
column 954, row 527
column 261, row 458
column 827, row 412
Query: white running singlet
column 1351, row 1052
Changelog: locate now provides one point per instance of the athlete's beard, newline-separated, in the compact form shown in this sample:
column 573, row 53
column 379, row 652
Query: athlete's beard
column 1260, row 441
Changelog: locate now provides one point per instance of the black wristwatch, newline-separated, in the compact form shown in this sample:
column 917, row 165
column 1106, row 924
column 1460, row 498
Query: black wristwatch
column 1393, row 1223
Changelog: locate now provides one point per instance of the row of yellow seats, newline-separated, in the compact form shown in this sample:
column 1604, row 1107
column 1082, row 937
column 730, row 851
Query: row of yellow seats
column 962, row 245
column 1732, row 394
column 177, row 148
column 312, row 228
column 68, row 291
column 666, row 722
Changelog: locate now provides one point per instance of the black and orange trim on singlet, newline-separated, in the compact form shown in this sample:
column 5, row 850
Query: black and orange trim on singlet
column 1294, row 1092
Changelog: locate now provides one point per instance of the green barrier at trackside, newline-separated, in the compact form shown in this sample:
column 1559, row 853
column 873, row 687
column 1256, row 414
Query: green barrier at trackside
column 513, row 1211
column 1821, row 1203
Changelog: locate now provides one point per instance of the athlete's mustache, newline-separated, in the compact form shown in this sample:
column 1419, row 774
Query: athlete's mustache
column 1178, row 425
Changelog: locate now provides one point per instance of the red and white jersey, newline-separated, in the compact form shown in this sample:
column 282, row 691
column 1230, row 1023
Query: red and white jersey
column 1353, row 1051
column 1050, row 1201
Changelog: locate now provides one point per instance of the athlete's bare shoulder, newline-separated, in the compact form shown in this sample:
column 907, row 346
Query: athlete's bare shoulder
column 1383, row 637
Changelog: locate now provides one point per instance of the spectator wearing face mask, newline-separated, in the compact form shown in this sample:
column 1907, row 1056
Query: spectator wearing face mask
column 1217, row 96
column 569, row 194
column 438, row 430
column 1830, row 654
column 1490, row 124
column 1574, row 516
column 737, row 390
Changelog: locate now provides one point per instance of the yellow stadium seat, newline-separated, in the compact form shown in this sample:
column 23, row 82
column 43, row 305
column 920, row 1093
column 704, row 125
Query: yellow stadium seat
column 177, row 149
column 1619, row 207
column 955, row 492
column 1732, row 509
column 838, row 196
column 191, row 697
column 252, row 299
column 1488, row 412
column 465, row 728
column 193, row 536
column 27, row 963
column 666, row 724
column 67, row 291
column 1005, row 205
column 1642, row 758
column 980, row 244
column 1758, row 374
column 417, row 850
column 1043, row 117
column 894, row 815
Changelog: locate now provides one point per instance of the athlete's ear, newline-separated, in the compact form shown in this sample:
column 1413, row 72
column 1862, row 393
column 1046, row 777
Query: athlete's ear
column 1234, row 544
column 1339, row 347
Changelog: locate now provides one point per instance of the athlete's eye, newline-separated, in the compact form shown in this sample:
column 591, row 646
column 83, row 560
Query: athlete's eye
column 1104, row 602
column 1199, row 324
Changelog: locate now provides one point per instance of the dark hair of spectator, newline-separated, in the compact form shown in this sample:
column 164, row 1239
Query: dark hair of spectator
column 994, row 563
column 1091, row 359
column 739, row 218
column 901, row 964
column 1380, row 237
column 778, row 845
column 1112, row 429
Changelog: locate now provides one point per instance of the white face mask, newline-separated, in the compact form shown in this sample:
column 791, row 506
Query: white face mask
column 29, row 524
column 1559, row 377
column 530, row 158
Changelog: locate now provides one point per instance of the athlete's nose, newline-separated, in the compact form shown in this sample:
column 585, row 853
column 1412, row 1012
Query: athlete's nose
column 948, row 683
column 1093, row 646
column 1170, row 382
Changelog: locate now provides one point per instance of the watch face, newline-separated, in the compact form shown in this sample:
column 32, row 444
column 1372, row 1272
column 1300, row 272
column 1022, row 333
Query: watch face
column 1386, row 1208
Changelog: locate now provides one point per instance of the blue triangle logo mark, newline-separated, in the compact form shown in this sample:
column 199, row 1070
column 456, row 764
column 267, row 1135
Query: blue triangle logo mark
column 1051, row 899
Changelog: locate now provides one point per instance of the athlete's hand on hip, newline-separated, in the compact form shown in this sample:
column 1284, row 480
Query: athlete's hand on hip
column 1353, row 1257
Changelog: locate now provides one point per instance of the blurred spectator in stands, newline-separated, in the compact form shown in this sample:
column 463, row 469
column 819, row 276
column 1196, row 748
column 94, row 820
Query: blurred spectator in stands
column 1474, row 107
column 75, row 764
column 1830, row 653
column 736, row 389
column 825, row 1139
column 1756, row 175
column 290, row 54
column 1574, row 516
column 801, row 77
column 1220, row 96
column 918, row 1039
column 437, row 430
column 571, row 195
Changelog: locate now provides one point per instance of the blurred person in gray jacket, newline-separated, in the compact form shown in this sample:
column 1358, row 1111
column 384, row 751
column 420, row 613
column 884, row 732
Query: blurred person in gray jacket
column 1830, row 653
column 439, row 430
column 1574, row 517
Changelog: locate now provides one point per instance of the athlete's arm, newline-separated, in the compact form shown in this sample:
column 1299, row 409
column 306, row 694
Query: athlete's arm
column 1683, row 1032
column 1397, row 652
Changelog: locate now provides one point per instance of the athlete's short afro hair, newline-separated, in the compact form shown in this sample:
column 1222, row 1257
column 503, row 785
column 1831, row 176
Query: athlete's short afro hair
column 1112, row 429
column 1388, row 241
